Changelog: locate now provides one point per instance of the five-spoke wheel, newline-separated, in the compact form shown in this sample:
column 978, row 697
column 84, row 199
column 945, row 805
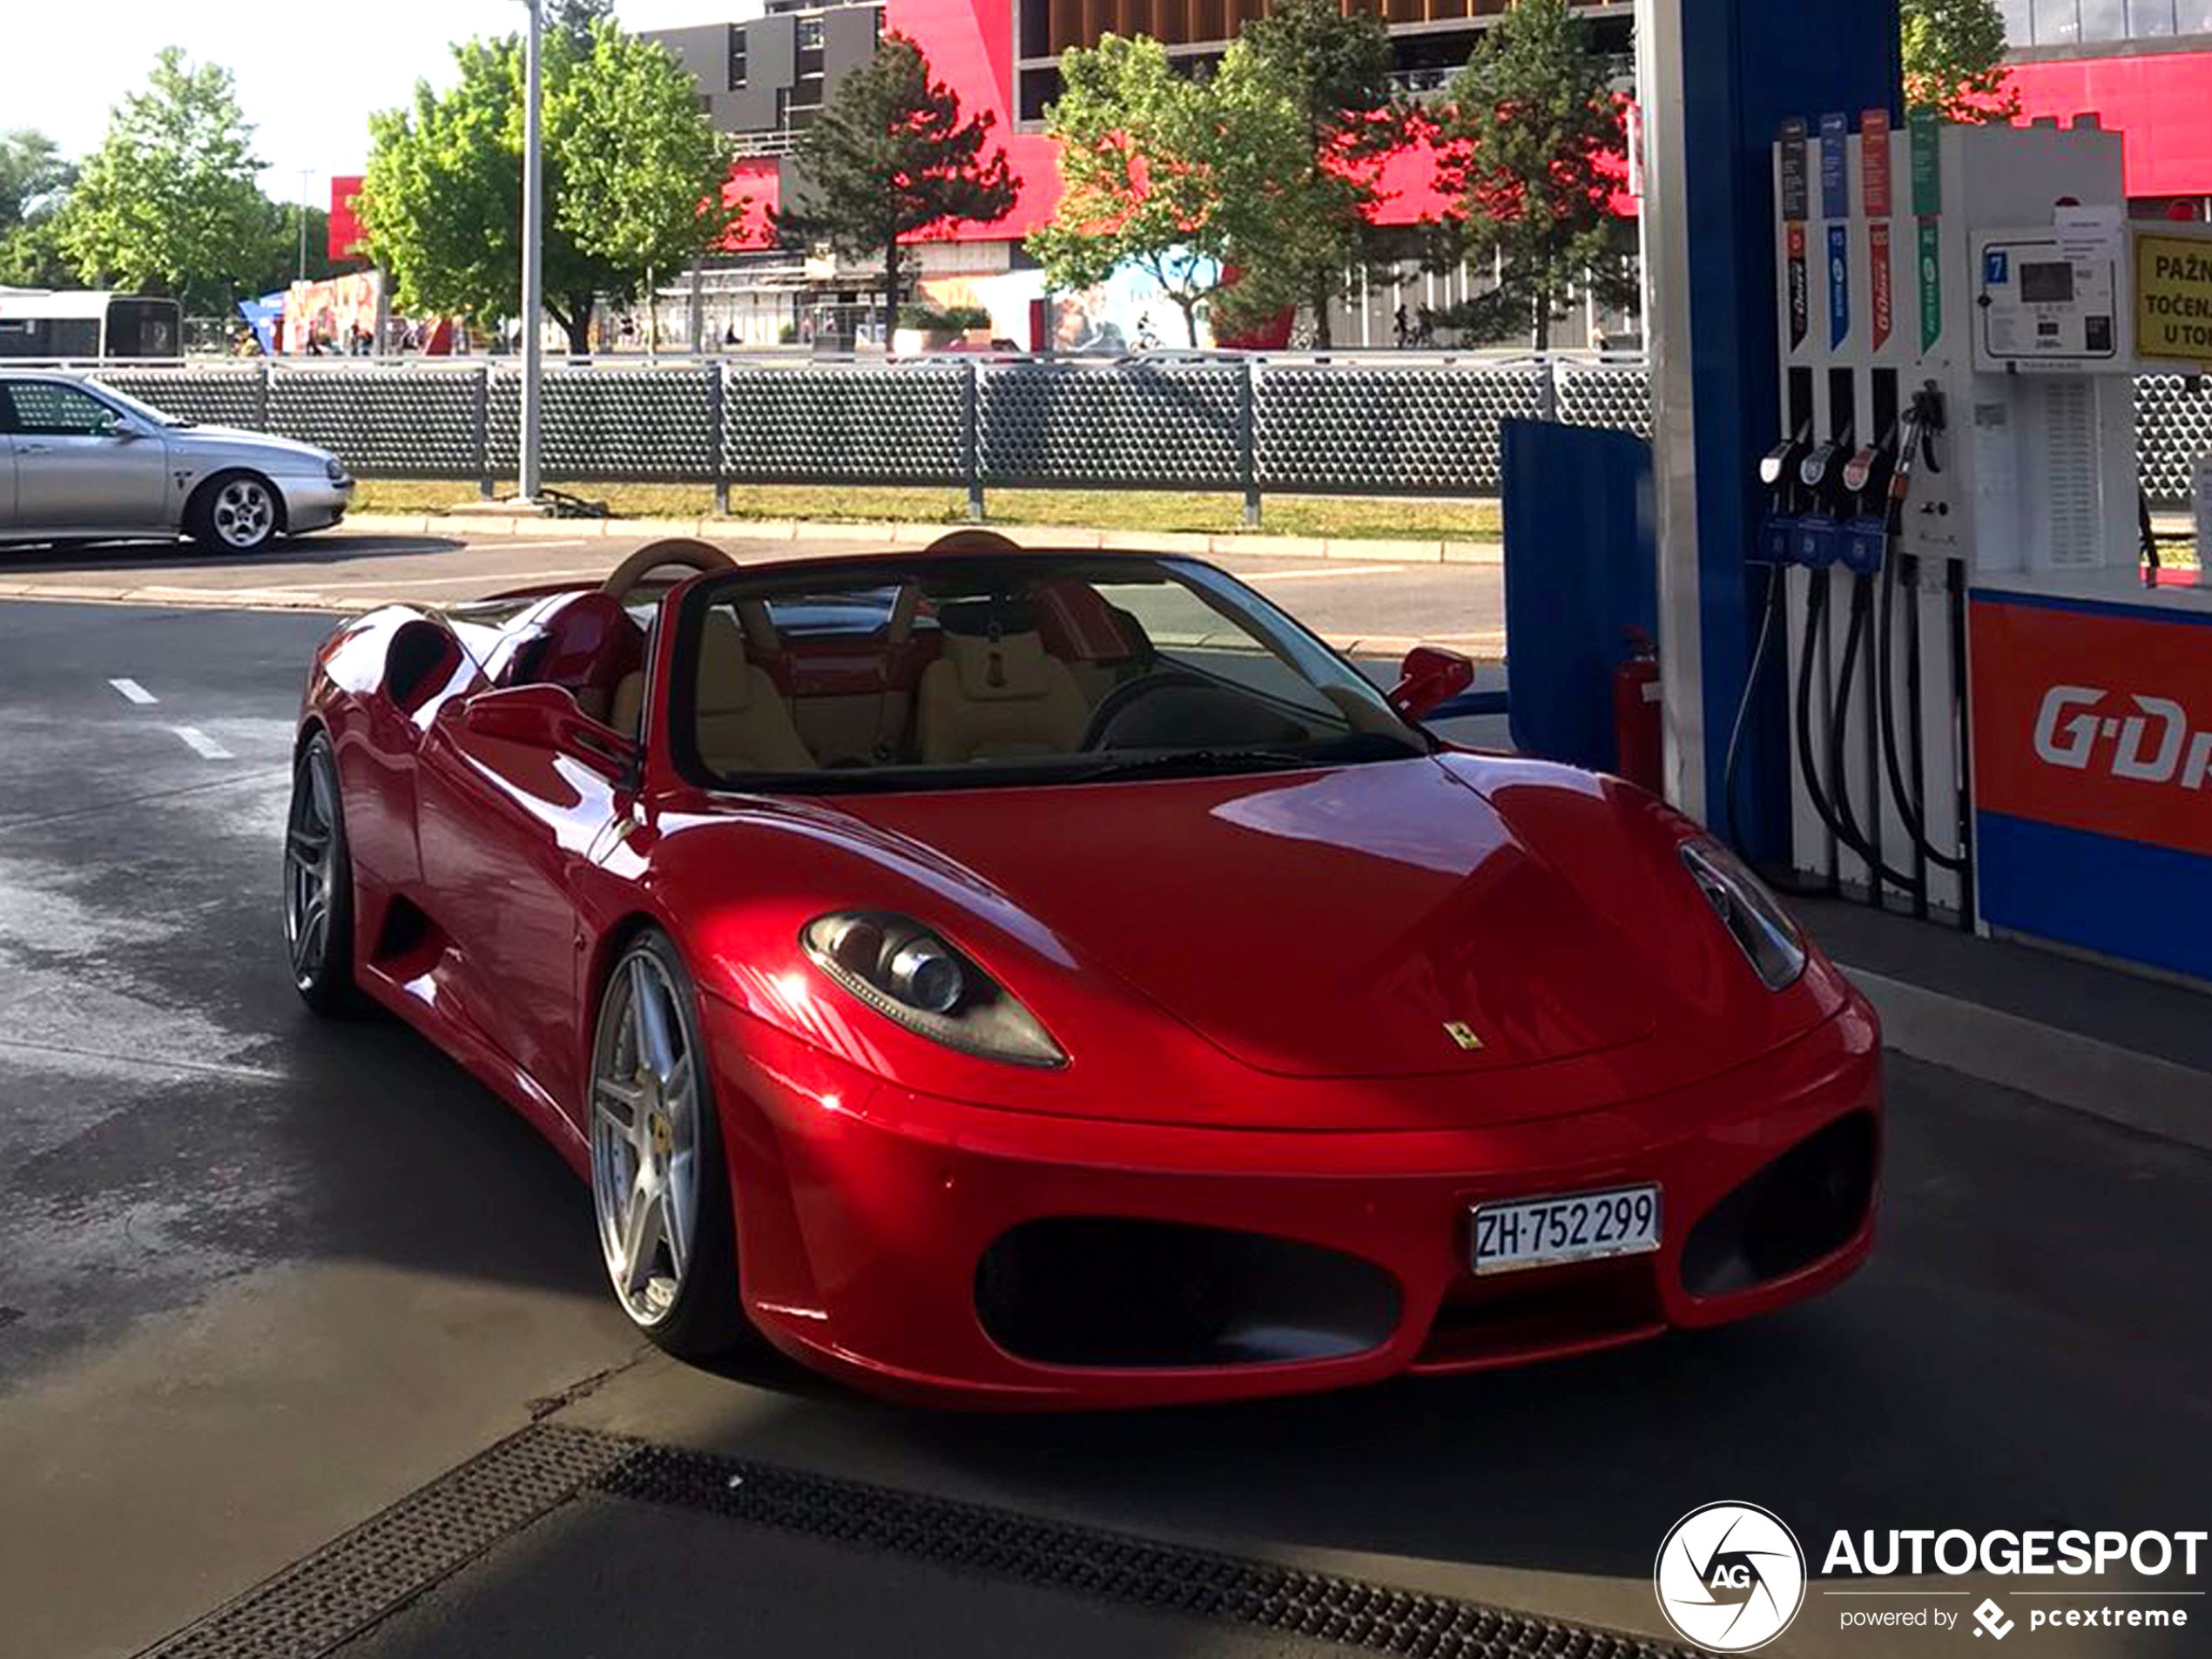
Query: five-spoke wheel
column 659, row 1192
column 236, row 513
column 319, row 884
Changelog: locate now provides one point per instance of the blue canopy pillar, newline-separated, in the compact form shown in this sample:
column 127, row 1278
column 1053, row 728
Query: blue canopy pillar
column 1717, row 80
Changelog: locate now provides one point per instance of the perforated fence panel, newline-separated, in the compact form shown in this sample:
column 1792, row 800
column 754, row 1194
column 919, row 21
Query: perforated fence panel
column 2174, row 427
column 834, row 424
column 1422, row 431
column 643, row 425
column 1132, row 425
column 211, row 396
column 1617, row 395
column 1427, row 428
column 386, row 425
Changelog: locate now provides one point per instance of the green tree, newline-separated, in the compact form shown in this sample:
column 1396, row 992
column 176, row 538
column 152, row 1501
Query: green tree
column 1531, row 137
column 1954, row 60
column 34, row 184
column 889, row 159
column 635, row 179
column 1183, row 181
column 169, row 203
column 1335, row 67
column 278, row 263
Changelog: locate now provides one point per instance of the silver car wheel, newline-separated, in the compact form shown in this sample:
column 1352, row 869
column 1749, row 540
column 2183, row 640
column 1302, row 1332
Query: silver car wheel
column 244, row 513
column 310, row 857
column 645, row 1139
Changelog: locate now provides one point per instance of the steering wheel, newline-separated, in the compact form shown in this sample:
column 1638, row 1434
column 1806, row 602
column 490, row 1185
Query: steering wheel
column 677, row 550
column 1126, row 696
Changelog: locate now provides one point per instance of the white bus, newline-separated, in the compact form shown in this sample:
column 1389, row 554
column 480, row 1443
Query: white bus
column 80, row 323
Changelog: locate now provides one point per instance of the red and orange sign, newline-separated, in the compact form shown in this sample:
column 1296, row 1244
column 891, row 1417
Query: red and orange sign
column 2096, row 718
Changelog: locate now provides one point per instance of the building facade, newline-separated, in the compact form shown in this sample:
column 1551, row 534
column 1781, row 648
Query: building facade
column 763, row 78
column 2145, row 68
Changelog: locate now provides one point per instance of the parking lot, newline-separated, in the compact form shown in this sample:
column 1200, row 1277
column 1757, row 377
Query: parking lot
column 262, row 1276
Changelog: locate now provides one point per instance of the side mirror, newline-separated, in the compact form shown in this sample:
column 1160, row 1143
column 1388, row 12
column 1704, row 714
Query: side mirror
column 545, row 717
column 1429, row 677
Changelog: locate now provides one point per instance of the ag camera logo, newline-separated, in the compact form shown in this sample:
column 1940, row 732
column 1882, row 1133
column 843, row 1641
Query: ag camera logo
column 1729, row 1577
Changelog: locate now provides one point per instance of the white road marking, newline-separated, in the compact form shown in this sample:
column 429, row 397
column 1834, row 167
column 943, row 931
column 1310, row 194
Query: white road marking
column 1323, row 575
column 134, row 692
column 201, row 744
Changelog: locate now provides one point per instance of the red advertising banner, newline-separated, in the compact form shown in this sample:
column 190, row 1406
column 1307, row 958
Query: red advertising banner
column 2094, row 717
column 344, row 225
column 1874, row 161
column 1877, row 256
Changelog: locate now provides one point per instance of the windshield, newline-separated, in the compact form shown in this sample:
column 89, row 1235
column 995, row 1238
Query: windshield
column 1014, row 668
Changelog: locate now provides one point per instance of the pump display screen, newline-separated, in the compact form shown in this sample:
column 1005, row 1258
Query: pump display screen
column 2047, row 284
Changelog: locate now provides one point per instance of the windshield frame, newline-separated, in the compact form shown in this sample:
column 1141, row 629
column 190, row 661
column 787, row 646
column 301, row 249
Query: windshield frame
column 1290, row 641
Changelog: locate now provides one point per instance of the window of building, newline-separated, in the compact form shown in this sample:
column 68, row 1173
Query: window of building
column 737, row 60
column 2088, row 23
column 810, row 33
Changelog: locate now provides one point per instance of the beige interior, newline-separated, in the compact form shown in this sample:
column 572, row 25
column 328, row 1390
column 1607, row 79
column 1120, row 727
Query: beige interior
column 985, row 699
column 744, row 724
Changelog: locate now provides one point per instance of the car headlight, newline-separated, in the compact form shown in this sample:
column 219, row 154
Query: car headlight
column 906, row 973
column 1772, row 941
column 334, row 470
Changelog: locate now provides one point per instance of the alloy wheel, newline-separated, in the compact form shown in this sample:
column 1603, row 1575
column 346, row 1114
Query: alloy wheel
column 245, row 513
column 310, row 869
column 645, row 1139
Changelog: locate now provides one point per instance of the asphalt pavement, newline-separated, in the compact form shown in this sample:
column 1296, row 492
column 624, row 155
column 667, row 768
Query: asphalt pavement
column 1383, row 606
column 263, row 1276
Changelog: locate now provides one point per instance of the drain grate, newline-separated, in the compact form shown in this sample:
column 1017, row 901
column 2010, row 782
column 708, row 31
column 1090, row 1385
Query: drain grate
column 1116, row 1567
column 323, row 1599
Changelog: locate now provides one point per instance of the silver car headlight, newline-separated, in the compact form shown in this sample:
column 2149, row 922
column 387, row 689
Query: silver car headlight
column 906, row 973
column 334, row 470
column 1773, row 944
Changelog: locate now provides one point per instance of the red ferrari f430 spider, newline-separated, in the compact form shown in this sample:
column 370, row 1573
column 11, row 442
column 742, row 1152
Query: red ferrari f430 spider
column 1033, row 979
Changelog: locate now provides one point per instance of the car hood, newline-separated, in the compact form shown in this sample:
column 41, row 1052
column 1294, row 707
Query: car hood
column 236, row 440
column 1366, row 921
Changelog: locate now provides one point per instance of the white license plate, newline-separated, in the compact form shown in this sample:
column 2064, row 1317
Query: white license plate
column 1574, row 1227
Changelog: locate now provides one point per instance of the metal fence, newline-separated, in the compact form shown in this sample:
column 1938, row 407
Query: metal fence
column 1255, row 426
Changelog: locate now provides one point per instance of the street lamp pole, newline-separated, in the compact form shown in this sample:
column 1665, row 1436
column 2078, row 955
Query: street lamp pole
column 305, row 175
column 533, row 253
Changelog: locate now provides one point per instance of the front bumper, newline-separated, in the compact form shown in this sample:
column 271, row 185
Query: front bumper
column 314, row 503
column 865, row 1211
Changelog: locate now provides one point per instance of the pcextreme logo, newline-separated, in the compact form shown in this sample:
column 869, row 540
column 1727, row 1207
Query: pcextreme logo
column 1729, row 1577
column 2151, row 743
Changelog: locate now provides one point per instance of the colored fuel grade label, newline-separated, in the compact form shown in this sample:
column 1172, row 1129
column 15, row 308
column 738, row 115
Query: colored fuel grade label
column 1930, row 261
column 1838, row 285
column 1835, row 166
column 2174, row 298
column 1800, row 288
column 1874, row 162
column 1881, row 298
column 1797, row 172
column 1925, row 129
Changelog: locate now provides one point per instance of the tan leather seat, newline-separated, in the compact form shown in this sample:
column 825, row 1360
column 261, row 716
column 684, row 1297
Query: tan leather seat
column 994, row 691
column 744, row 724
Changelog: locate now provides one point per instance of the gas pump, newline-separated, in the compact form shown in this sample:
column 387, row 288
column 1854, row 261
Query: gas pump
column 1954, row 363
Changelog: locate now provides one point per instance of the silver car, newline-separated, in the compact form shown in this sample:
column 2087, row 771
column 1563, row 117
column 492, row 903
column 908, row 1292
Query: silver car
column 82, row 461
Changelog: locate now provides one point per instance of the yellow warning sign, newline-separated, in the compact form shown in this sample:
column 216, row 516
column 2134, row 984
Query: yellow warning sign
column 2174, row 298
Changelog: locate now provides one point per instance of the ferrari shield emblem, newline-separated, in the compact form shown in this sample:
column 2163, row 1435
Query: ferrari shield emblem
column 1462, row 1034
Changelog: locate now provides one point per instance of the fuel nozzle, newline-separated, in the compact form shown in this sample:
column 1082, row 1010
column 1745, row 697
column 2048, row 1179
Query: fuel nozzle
column 1866, row 475
column 1778, row 466
column 1822, row 469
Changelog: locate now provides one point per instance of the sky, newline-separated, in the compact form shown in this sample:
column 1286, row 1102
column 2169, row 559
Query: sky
column 306, row 78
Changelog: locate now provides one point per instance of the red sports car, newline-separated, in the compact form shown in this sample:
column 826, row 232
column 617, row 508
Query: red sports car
column 1029, row 979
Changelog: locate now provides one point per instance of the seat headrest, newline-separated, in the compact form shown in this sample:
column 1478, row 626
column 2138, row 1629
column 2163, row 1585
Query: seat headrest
column 725, row 676
column 980, row 618
column 1013, row 668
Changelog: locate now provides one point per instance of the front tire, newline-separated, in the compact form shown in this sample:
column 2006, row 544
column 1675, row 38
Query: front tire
column 319, row 885
column 235, row 512
column 660, row 1187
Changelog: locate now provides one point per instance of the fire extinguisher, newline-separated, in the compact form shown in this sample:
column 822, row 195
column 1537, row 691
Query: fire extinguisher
column 1636, row 714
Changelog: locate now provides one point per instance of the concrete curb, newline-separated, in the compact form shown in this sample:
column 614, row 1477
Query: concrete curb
column 1376, row 549
column 2139, row 1091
